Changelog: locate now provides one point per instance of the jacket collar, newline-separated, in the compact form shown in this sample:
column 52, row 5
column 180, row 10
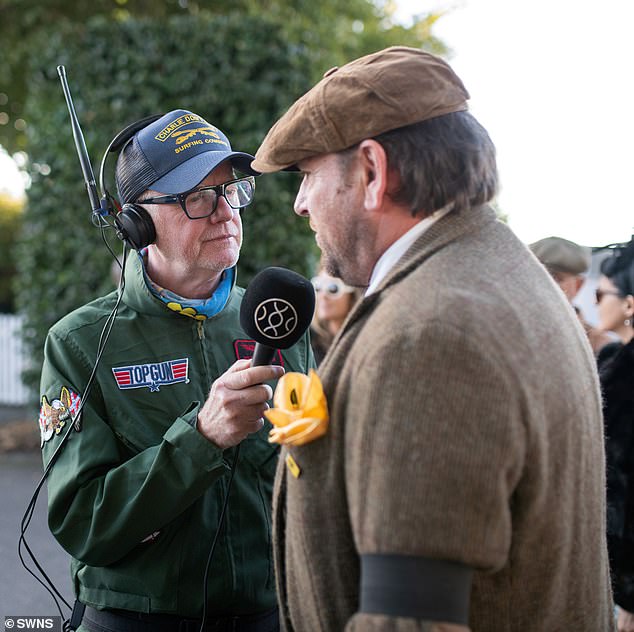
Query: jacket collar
column 445, row 231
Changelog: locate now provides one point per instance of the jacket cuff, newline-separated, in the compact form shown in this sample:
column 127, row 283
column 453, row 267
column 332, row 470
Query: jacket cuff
column 183, row 435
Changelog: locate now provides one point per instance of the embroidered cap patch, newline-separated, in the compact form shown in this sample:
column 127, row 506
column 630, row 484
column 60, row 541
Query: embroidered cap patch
column 152, row 375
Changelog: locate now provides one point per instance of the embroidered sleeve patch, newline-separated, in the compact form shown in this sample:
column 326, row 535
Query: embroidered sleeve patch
column 55, row 414
column 245, row 348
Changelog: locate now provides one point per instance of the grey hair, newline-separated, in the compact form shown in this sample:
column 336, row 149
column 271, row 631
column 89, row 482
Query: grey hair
column 450, row 158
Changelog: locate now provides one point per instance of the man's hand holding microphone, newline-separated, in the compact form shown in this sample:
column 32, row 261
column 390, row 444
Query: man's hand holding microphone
column 276, row 310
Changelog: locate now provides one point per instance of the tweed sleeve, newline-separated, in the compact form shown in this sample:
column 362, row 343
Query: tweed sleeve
column 435, row 446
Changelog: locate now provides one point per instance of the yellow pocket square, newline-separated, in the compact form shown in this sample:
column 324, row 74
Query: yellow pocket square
column 300, row 410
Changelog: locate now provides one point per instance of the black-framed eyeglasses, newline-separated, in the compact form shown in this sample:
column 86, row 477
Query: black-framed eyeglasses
column 331, row 286
column 599, row 294
column 203, row 201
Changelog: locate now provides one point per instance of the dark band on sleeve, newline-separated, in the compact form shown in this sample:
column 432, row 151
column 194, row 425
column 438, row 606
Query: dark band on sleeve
column 416, row 588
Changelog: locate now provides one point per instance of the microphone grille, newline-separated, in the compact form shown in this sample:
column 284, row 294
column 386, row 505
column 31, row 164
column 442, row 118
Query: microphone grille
column 277, row 307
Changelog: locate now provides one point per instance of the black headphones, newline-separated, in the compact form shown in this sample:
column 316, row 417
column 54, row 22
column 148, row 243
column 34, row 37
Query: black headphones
column 133, row 223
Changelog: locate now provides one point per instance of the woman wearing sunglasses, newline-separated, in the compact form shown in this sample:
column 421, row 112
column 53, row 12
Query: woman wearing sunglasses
column 615, row 301
column 334, row 299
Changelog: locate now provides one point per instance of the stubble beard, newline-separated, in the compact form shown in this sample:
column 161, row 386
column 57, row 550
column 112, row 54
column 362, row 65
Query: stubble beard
column 331, row 265
column 345, row 263
column 345, row 255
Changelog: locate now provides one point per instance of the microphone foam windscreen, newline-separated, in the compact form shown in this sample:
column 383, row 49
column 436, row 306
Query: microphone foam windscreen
column 277, row 307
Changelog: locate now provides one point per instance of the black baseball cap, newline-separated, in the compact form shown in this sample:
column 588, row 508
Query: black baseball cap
column 173, row 154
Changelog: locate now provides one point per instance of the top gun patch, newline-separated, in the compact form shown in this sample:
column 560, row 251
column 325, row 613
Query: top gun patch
column 55, row 414
column 153, row 375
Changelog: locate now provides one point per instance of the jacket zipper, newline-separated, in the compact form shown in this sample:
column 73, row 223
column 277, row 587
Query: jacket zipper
column 201, row 339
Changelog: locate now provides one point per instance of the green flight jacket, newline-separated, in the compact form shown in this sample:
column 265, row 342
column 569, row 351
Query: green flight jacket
column 136, row 494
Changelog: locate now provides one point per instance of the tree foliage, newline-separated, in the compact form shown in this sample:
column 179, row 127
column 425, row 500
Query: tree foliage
column 10, row 223
column 239, row 69
column 334, row 30
column 239, row 73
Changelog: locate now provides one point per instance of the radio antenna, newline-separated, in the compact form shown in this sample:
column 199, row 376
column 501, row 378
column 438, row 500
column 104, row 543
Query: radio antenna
column 84, row 160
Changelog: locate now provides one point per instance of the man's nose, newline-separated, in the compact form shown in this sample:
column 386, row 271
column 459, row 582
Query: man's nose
column 223, row 212
column 300, row 206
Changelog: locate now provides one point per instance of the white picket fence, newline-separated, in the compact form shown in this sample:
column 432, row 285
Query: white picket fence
column 13, row 361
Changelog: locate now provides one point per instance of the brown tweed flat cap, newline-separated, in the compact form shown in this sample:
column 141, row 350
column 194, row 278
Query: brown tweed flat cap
column 392, row 88
column 561, row 255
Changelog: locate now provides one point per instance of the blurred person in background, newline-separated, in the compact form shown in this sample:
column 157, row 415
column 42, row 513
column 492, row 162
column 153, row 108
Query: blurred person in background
column 615, row 301
column 567, row 263
column 334, row 300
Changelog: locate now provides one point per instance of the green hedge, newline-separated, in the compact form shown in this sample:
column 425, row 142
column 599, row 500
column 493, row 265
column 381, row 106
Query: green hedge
column 239, row 73
column 10, row 223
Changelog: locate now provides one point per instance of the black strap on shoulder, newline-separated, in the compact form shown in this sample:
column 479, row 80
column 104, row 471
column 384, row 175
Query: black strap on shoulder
column 76, row 616
column 416, row 588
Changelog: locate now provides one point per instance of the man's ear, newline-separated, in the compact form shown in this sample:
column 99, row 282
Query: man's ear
column 373, row 164
column 579, row 281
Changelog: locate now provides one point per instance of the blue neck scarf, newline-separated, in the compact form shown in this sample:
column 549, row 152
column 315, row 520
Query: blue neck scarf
column 196, row 308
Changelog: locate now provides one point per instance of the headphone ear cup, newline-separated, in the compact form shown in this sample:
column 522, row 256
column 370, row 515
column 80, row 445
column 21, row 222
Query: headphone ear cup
column 135, row 226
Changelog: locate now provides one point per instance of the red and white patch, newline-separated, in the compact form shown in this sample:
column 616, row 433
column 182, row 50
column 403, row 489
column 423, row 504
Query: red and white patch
column 245, row 348
column 152, row 375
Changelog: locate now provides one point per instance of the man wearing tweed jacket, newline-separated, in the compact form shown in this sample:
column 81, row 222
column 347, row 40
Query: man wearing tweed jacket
column 460, row 484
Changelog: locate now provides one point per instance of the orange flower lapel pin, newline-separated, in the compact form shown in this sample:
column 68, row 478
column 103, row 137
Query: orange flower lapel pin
column 300, row 411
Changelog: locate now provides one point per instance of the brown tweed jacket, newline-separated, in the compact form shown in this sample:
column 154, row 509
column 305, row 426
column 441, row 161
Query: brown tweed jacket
column 465, row 425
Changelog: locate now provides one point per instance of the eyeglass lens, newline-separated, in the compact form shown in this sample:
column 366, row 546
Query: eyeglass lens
column 599, row 294
column 201, row 202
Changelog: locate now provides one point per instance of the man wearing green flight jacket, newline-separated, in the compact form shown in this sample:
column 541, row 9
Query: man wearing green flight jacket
column 136, row 493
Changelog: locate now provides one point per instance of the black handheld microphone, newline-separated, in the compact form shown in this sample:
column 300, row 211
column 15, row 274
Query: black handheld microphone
column 276, row 310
